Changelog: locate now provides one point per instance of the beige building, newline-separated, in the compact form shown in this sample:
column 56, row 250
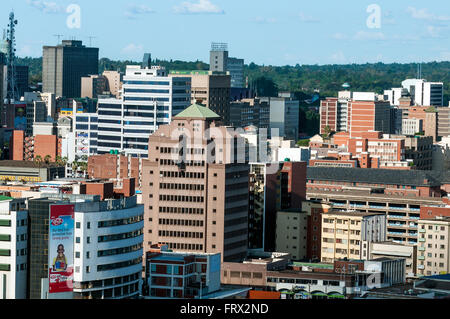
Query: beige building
column 291, row 233
column 211, row 89
column 115, row 81
column 194, row 189
column 390, row 249
column 434, row 242
column 349, row 234
column 93, row 86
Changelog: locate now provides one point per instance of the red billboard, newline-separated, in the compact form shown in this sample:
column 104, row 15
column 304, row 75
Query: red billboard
column 61, row 246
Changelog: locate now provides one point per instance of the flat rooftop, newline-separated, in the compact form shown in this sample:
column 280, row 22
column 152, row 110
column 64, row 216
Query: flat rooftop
column 27, row 164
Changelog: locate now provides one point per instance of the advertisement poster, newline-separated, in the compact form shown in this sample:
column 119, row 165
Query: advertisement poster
column 61, row 242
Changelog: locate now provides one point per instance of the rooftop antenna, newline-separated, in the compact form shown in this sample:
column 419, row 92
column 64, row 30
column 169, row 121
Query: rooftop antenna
column 59, row 36
column 90, row 40
column 12, row 92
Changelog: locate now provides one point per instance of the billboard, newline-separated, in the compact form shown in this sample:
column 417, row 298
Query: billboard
column 60, row 250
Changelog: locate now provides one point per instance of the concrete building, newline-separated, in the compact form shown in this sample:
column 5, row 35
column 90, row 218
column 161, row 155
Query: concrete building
column 94, row 85
column 411, row 127
column 218, row 60
column 390, row 249
column 284, row 115
column 434, row 242
column 441, row 155
column 13, row 248
column 181, row 275
column 150, row 99
column 443, row 121
column 425, row 93
column 250, row 112
column 114, row 81
column 427, row 114
column 419, row 149
column 349, row 234
column 111, row 166
column 195, row 187
column 292, row 233
column 211, row 89
column 64, row 65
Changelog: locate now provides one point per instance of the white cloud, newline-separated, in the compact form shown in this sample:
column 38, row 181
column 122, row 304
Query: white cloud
column 423, row 14
column 200, row 7
column 307, row 19
column 134, row 10
column 133, row 49
column 46, row 7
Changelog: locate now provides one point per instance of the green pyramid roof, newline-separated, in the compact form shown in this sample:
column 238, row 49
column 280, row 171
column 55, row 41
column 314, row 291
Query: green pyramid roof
column 198, row 111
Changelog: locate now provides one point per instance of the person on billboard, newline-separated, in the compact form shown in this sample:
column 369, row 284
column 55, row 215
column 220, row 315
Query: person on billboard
column 60, row 261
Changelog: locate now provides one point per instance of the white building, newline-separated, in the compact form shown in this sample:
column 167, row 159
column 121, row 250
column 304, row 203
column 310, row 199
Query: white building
column 425, row 93
column 13, row 248
column 411, row 126
column 85, row 129
column 149, row 99
column 393, row 96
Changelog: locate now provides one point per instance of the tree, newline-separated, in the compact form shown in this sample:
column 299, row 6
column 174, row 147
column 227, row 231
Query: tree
column 47, row 159
column 38, row 160
column 326, row 132
column 303, row 143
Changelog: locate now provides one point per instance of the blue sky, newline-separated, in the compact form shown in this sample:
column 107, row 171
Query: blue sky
column 262, row 31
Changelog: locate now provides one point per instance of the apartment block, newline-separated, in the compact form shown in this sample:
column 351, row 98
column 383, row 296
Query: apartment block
column 433, row 247
column 195, row 187
column 349, row 234
column 292, row 233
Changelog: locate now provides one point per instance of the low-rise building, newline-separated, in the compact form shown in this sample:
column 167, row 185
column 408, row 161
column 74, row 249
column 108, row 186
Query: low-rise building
column 394, row 250
column 292, row 232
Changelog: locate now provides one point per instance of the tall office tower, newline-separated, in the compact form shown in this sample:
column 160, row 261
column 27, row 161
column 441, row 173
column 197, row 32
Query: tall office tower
column 425, row 93
column 236, row 69
column 284, row 115
column 22, row 76
column 150, row 98
column 195, row 187
column 211, row 89
column 13, row 248
column 218, row 59
column 64, row 65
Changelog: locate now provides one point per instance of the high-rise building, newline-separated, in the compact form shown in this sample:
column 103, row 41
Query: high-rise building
column 93, row 86
column 195, row 187
column 425, row 93
column 236, row 69
column 218, row 61
column 64, row 65
column 150, row 98
column 250, row 112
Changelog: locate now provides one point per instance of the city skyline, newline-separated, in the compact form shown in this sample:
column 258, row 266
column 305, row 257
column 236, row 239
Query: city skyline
column 299, row 33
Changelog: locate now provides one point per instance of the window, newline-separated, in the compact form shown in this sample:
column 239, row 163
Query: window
column 88, row 225
column 88, row 269
column 77, row 254
column 77, row 240
column 78, row 225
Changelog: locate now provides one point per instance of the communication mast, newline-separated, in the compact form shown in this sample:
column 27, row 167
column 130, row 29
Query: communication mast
column 12, row 91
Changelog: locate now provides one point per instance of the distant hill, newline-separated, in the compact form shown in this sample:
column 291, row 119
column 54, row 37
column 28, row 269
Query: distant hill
column 327, row 79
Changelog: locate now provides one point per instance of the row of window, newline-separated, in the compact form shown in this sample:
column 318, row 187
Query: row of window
column 192, row 187
column 170, row 150
column 181, row 222
column 181, row 198
column 122, row 264
column 183, row 246
column 103, row 239
column 187, row 163
column 119, row 251
column 183, row 174
column 181, row 210
column 180, row 234
column 121, row 222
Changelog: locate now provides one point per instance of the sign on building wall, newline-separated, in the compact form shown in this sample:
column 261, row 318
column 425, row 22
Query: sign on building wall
column 60, row 251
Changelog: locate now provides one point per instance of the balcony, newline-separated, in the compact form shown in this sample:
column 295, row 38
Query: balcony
column 422, row 240
column 421, row 248
column 421, row 257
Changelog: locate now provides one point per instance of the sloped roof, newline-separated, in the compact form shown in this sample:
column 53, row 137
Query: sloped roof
column 198, row 111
